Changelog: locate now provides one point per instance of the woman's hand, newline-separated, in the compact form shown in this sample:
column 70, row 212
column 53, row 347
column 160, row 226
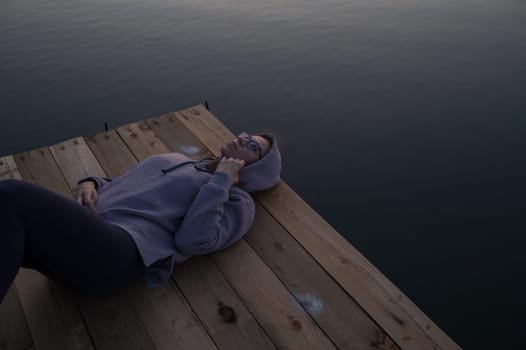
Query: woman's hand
column 87, row 195
column 231, row 167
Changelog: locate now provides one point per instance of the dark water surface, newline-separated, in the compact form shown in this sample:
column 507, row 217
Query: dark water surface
column 402, row 122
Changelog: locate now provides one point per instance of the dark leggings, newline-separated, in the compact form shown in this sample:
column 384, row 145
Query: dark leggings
column 64, row 240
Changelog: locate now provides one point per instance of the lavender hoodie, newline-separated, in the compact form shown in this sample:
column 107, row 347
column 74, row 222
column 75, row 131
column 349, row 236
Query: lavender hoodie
column 174, row 207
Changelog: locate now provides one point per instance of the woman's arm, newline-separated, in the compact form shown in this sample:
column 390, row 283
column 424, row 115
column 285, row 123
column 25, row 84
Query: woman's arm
column 87, row 190
column 217, row 218
column 98, row 181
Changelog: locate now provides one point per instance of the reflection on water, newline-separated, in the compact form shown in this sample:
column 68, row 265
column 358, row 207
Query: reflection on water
column 402, row 122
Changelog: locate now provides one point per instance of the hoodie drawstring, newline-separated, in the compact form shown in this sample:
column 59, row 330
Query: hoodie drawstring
column 164, row 171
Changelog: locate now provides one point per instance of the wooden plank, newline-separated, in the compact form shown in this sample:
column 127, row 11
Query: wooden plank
column 54, row 323
column 348, row 267
column 167, row 125
column 202, row 131
column 395, row 313
column 219, row 307
column 111, row 153
column 244, row 334
column 326, row 302
column 38, row 167
column 71, row 316
column 113, row 324
column 51, row 313
column 282, row 317
column 75, row 161
column 342, row 319
column 8, row 168
column 168, row 319
column 14, row 331
column 277, row 316
column 141, row 140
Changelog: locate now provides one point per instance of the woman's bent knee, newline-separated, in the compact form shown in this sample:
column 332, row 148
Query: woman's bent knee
column 9, row 191
column 9, row 187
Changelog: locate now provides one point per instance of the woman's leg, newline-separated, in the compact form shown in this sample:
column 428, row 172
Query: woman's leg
column 43, row 230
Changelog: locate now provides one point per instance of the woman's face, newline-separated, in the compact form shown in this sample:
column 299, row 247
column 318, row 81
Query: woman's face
column 246, row 147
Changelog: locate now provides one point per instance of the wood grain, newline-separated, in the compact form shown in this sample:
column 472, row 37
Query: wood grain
column 14, row 332
column 409, row 327
column 278, row 312
column 225, row 316
column 75, row 161
column 327, row 303
column 111, row 153
column 274, row 317
column 166, row 126
column 340, row 317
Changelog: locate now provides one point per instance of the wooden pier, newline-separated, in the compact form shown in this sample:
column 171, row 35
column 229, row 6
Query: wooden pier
column 293, row 282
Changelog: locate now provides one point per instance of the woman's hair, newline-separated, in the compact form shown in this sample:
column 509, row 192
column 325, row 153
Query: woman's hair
column 267, row 136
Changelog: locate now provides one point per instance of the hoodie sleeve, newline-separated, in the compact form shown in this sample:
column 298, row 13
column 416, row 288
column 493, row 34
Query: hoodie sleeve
column 99, row 181
column 216, row 219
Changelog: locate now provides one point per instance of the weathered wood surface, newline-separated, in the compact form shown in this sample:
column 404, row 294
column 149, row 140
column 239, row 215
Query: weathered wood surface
column 293, row 282
column 340, row 329
column 379, row 297
column 14, row 333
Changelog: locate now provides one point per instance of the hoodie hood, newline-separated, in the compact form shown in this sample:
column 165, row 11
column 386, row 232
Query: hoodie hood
column 263, row 174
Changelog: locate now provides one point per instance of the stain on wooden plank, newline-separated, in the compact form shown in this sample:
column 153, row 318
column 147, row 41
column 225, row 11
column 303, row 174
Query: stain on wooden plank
column 336, row 313
column 218, row 306
column 167, row 125
column 278, row 312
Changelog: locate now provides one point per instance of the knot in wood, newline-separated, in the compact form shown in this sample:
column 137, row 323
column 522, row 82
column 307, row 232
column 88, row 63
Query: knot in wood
column 296, row 325
column 227, row 313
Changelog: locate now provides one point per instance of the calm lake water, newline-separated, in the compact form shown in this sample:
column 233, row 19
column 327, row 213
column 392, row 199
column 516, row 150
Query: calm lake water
column 402, row 122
